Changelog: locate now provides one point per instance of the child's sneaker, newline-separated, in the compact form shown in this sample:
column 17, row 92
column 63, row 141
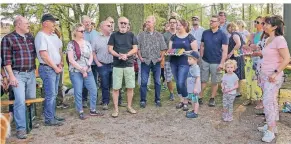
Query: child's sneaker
column 185, row 107
column 268, row 136
column 191, row 115
column 188, row 112
column 171, row 97
column 179, row 105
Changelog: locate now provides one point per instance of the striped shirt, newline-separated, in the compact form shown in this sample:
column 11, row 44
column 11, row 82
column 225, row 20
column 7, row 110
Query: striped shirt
column 18, row 51
column 151, row 45
column 100, row 47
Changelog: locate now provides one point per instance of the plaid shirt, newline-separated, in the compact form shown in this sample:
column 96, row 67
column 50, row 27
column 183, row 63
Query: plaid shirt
column 19, row 52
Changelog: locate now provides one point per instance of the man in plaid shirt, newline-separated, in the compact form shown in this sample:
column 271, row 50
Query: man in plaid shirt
column 18, row 57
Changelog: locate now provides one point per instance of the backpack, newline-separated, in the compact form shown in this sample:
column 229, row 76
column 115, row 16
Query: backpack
column 77, row 51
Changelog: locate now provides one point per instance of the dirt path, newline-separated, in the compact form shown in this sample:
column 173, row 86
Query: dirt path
column 164, row 125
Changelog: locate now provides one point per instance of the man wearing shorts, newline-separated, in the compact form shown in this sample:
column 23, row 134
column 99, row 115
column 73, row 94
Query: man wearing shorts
column 168, row 72
column 213, row 50
column 123, row 46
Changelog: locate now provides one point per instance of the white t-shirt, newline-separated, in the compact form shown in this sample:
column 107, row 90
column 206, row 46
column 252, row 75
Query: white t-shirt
column 50, row 43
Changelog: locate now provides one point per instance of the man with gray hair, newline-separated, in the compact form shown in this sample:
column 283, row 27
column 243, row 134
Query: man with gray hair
column 89, row 35
column 151, row 51
column 18, row 57
column 103, row 60
column 48, row 49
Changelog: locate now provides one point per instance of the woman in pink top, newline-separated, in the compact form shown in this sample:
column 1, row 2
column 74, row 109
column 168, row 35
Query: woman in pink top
column 275, row 58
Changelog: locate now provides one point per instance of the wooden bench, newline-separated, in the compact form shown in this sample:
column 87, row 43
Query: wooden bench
column 30, row 111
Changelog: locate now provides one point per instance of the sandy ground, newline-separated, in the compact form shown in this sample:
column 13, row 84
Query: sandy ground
column 165, row 125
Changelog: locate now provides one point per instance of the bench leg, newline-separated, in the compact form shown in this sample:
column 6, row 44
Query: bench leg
column 28, row 119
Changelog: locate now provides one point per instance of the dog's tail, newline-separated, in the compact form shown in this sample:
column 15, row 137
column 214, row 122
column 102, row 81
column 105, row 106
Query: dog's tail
column 5, row 127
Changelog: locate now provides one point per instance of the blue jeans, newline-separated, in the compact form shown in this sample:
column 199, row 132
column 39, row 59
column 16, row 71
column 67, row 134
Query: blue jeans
column 25, row 90
column 180, row 73
column 50, row 85
column 85, row 91
column 105, row 72
column 145, row 71
column 78, row 81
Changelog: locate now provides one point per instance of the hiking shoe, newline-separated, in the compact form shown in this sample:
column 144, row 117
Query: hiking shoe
column 105, row 107
column 131, row 110
column 171, row 97
column 179, row 105
column 142, row 104
column 21, row 134
column 114, row 114
column 53, row 123
column 191, row 115
column 60, row 119
column 211, row 102
column 185, row 107
column 268, row 136
column 85, row 105
column 200, row 101
column 82, row 116
column 96, row 113
column 158, row 104
column 265, row 128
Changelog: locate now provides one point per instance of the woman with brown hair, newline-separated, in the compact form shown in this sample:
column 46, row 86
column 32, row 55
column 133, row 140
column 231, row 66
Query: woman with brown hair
column 235, row 44
column 276, row 57
column 179, row 64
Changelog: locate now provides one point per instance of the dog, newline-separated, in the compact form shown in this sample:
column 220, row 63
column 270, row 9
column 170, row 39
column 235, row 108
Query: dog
column 67, row 91
column 5, row 127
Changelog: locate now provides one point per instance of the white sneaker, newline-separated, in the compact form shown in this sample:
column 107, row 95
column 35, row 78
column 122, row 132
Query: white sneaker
column 265, row 128
column 268, row 136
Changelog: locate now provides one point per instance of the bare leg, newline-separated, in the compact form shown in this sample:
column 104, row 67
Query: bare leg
column 170, row 87
column 115, row 95
column 214, row 88
column 129, row 97
column 203, row 86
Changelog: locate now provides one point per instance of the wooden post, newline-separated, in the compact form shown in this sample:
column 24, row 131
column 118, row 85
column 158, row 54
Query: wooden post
column 287, row 21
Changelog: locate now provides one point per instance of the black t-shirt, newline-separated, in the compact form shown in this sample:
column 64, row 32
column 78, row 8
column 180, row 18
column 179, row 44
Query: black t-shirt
column 122, row 43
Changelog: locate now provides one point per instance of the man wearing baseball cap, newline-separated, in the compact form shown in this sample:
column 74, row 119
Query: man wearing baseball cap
column 197, row 30
column 48, row 49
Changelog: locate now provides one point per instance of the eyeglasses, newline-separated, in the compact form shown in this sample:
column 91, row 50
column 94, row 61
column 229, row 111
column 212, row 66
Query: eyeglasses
column 212, row 21
column 195, row 19
column 257, row 22
column 81, row 31
column 123, row 23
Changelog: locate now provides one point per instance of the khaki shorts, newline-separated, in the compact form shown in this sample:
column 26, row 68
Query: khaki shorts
column 207, row 68
column 129, row 77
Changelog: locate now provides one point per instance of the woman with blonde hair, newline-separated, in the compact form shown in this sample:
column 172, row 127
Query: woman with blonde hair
column 235, row 44
column 242, row 30
column 80, row 57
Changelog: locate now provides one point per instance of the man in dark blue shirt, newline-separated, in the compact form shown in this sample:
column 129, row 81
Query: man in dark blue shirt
column 213, row 50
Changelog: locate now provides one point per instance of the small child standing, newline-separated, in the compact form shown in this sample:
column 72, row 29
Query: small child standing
column 193, row 84
column 229, row 85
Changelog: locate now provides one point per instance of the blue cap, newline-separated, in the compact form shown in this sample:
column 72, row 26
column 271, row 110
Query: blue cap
column 193, row 54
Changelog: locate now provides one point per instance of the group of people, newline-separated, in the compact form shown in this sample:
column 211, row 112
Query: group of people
column 110, row 55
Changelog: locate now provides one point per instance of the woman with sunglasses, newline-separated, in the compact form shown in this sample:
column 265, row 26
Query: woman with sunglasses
column 276, row 57
column 179, row 64
column 254, row 92
column 80, row 58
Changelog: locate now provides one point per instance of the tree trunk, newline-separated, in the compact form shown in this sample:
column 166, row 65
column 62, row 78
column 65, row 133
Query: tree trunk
column 272, row 8
column 268, row 8
column 135, row 14
column 250, row 17
column 243, row 12
column 287, row 20
column 106, row 10
column 221, row 6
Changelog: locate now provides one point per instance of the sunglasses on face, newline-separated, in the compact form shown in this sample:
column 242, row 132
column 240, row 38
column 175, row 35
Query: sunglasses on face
column 123, row 23
column 195, row 19
column 212, row 21
column 257, row 22
column 81, row 31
